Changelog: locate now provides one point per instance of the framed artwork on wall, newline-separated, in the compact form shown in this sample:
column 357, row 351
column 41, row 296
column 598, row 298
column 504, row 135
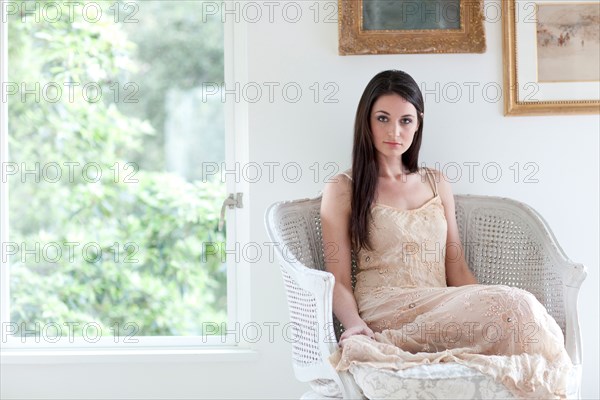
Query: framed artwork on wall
column 551, row 57
column 411, row 26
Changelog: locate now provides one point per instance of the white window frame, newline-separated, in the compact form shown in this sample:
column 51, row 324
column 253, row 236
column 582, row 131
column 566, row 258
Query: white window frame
column 231, row 346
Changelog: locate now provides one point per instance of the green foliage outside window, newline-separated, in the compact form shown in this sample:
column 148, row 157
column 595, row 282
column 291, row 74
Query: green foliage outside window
column 145, row 229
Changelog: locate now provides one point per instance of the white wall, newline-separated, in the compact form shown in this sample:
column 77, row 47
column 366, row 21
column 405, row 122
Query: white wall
column 565, row 148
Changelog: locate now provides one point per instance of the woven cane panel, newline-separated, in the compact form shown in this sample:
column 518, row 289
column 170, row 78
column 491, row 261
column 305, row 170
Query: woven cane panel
column 294, row 233
column 303, row 308
column 502, row 250
column 315, row 215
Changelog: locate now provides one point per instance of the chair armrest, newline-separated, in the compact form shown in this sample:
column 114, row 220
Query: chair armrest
column 310, row 299
column 309, row 294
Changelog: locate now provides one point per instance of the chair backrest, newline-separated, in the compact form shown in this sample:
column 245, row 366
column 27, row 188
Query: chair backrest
column 505, row 242
column 297, row 224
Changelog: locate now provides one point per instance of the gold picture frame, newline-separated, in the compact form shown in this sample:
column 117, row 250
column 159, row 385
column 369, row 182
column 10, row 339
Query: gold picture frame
column 529, row 33
column 467, row 36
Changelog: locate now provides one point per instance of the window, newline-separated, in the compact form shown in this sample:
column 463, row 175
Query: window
column 110, row 204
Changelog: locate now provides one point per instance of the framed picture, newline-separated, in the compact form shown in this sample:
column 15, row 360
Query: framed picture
column 551, row 57
column 411, row 26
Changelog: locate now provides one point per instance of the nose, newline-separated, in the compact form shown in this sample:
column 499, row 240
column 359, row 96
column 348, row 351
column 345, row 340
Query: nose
column 396, row 130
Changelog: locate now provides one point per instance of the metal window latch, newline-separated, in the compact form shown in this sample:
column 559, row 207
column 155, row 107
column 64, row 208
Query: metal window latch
column 230, row 202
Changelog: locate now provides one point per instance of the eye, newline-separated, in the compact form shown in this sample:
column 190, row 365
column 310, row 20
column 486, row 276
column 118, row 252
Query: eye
column 406, row 121
column 382, row 118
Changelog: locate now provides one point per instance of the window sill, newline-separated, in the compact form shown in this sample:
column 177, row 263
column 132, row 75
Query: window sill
column 162, row 355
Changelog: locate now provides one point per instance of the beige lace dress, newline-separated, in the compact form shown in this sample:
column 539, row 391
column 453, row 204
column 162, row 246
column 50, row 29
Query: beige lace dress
column 402, row 295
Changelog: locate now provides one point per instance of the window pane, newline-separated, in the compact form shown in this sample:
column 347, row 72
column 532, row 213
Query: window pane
column 111, row 222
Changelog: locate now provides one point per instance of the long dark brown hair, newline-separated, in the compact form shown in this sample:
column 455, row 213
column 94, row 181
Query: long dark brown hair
column 365, row 169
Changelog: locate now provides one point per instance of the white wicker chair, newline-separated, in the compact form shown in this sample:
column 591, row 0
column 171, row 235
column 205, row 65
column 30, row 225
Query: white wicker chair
column 505, row 242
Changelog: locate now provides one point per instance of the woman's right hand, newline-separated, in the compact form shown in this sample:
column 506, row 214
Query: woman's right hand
column 356, row 330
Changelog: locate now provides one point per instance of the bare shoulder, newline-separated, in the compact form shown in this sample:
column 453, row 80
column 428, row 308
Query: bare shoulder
column 444, row 187
column 337, row 195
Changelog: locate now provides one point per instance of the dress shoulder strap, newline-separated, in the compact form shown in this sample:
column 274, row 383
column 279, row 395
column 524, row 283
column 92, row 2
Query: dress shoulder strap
column 348, row 173
column 432, row 180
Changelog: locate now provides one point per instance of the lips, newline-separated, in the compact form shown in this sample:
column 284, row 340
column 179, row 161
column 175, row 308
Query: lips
column 392, row 143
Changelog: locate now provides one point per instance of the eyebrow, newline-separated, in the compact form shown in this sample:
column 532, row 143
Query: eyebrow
column 387, row 113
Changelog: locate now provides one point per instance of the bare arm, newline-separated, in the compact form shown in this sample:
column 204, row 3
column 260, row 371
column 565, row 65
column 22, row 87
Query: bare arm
column 457, row 270
column 335, row 222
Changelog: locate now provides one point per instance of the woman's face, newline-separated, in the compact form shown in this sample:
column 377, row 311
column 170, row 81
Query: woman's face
column 393, row 123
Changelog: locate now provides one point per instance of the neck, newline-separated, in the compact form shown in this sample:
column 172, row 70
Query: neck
column 392, row 170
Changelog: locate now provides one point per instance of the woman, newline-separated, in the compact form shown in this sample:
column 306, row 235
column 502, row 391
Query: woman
column 415, row 300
